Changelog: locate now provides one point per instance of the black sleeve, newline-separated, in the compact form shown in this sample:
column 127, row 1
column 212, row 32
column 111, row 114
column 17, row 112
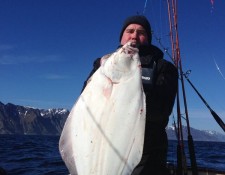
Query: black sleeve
column 96, row 65
column 168, row 84
column 161, row 100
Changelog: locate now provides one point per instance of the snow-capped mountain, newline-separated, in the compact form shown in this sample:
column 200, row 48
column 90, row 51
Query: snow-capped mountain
column 198, row 135
column 15, row 119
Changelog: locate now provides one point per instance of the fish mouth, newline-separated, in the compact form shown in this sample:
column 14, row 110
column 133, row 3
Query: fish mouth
column 130, row 48
column 134, row 44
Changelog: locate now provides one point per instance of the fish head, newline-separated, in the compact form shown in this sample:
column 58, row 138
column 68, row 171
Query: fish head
column 122, row 64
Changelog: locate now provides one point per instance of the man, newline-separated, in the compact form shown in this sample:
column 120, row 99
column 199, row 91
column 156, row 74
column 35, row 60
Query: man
column 159, row 78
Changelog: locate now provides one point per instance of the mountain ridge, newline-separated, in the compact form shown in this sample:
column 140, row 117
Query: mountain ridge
column 16, row 119
column 197, row 135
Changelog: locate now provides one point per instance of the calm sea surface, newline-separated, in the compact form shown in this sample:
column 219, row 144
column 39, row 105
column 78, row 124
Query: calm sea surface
column 39, row 155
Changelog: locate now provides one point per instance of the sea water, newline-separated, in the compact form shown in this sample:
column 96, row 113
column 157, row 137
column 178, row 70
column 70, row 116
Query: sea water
column 39, row 155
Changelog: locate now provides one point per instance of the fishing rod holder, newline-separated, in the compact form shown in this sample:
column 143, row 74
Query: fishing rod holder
column 187, row 73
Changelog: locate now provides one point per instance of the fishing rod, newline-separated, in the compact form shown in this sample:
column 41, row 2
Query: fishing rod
column 216, row 117
column 172, row 12
column 176, row 59
column 181, row 158
column 214, row 114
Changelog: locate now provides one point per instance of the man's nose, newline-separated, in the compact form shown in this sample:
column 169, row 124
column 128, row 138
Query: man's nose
column 134, row 35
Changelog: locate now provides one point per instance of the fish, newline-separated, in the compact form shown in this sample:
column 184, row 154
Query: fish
column 104, row 132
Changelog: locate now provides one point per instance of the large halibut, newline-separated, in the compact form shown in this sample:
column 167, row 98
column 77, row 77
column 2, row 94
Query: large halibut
column 104, row 132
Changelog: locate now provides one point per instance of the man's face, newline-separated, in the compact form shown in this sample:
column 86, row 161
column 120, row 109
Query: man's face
column 136, row 34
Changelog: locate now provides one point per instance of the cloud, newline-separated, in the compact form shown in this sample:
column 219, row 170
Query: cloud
column 205, row 113
column 9, row 55
column 42, row 104
column 13, row 59
column 55, row 77
column 6, row 47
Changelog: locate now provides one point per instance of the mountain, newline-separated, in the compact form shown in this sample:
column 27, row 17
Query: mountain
column 15, row 119
column 197, row 135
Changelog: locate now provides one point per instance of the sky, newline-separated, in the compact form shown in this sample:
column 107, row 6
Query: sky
column 47, row 49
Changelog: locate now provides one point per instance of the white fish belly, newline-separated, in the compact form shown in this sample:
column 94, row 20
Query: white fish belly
column 104, row 133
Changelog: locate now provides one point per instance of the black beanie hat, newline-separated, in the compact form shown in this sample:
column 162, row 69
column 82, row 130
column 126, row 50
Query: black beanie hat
column 138, row 19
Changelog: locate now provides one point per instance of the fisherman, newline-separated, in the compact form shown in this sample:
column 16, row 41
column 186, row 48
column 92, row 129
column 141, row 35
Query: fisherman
column 160, row 79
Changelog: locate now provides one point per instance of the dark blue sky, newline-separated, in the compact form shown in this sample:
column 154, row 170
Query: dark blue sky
column 47, row 48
